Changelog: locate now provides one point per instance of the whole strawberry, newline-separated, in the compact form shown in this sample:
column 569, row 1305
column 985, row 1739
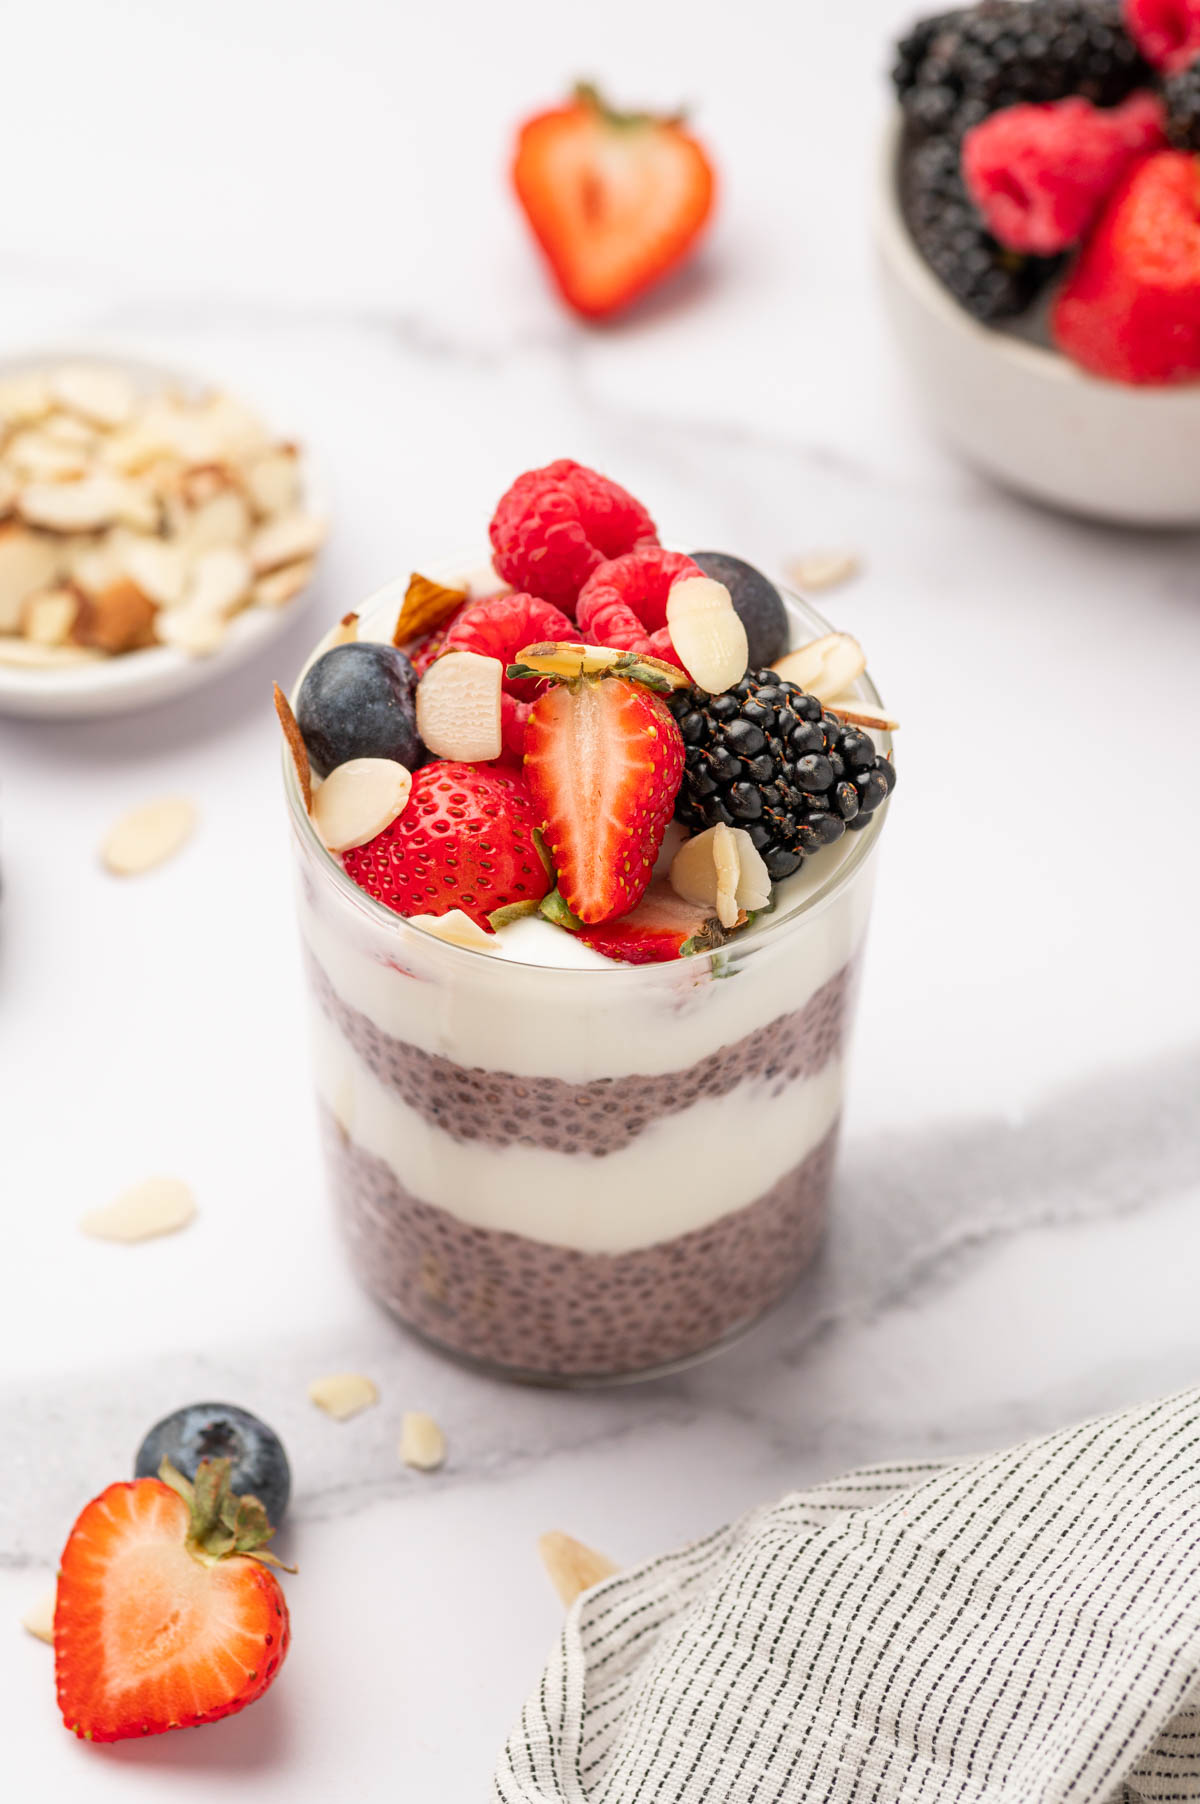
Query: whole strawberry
column 464, row 840
column 166, row 1615
column 603, row 759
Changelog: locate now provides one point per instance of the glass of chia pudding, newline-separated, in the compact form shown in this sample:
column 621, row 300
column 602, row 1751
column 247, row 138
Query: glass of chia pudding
column 583, row 956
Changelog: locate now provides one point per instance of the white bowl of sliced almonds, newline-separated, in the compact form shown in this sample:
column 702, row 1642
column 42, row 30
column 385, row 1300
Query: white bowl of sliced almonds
column 153, row 533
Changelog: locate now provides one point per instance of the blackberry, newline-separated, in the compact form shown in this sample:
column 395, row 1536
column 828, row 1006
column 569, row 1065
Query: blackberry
column 953, row 69
column 766, row 756
column 1182, row 96
column 989, row 281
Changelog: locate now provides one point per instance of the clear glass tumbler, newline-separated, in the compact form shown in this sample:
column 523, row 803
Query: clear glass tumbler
column 574, row 1175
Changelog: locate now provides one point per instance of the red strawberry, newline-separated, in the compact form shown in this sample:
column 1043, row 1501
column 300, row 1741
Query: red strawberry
column 616, row 200
column 623, row 603
column 1130, row 309
column 554, row 525
column 503, row 626
column 464, row 840
column 662, row 927
column 1041, row 174
column 1167, row 32
column 603, row 760
column 166, row 1617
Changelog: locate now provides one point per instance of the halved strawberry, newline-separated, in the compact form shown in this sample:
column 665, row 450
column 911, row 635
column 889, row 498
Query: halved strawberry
column 603, row 761
column 615, row 200
column 662, row 927
column 166, row 1616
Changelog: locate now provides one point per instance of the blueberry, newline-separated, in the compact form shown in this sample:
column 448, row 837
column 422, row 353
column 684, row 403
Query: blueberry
column 359, row 701
column 756, row 600
column 222, row 1431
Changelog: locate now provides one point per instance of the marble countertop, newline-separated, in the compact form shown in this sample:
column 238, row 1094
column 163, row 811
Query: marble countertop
column 309, row 202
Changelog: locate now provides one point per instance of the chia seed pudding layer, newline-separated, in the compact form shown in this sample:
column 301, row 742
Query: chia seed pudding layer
column 602, row 1115
column 538, row 1309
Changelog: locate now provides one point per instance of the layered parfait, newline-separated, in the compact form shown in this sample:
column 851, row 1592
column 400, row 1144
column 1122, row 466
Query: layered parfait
column 584, row 840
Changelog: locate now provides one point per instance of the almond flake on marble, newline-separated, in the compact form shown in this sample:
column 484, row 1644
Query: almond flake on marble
column 25, row 654
column 38, row 1619
column 286, row 541
column 296, row 746
column 457, row 929
column 458, row 706
column 422, row 1443
column 572, row 1566
column 143, row 1212
column 148, row 836
column 343, row 1394
column 82, row 506
column 817, row 570
column 824, row 667
column 197, row 631
column 358, row 800
column 104, row 396
column 273, row 482
column 282, row 586
column 50, row 616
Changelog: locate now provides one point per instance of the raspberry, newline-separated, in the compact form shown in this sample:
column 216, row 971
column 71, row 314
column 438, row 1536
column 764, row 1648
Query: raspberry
column 556, row 524
column 624, row 602
column 1167, row 32
column 1041, row 174
column 502, row 626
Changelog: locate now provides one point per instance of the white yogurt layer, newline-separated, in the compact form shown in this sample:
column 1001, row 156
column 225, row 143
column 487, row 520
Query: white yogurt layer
column 682, row 1172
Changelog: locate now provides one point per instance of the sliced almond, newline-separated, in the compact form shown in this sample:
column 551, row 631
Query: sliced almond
column 25, row 398
column 28, row 655
column 458, row 706
column 573, row 1567
column 721, row 869
column 28, row 562
column 422, row 1443
column 273, row 482
column 296, row 746
column 104, row 396
column 197, row 631
column 282, row 586
column 35, row 456
column 822, row 569
column 234, row 431
column 50, row 616
column 857, row 713
column 157, row 1206
column 39, row 1617
column 8, row 493
column 426, row 604
column 707, row 633
column 90, row 564
column 118, row 618
column 285, row 541
column 159, row 569
column 343, row 1394
column 220, row 581
column 824, row 667
column 223, row 520
column 69, row 429
column 457, row 929
column 74, row 506
column 148, row 836
column 359, row 799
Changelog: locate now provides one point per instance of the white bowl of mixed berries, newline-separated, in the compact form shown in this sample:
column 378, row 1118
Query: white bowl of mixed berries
column 1039, row 231
column 634, row 744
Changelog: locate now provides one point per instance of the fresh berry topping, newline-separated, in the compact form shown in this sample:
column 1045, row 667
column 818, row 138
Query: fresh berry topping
column 603, row 758
column 624, row 602
column 359, row 701
column 1167, row 32
column 166, row 1617
column 767, row 757
column 1041, row 174
column 1181, row 94
column 555, row 525
column 954, row 69
column 663, row 926
column 757, row 601
column 422, row 652
column 500, row 627
column 259, row 1466
column 990, row 282
column 615, row 200
column 465, row 840
column 1130, row 308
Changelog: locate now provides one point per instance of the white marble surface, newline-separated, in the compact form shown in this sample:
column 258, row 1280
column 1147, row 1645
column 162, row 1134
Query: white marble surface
column 309, row 202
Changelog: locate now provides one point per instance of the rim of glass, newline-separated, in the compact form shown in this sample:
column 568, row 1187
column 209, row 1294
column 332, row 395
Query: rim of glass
column 390, row 595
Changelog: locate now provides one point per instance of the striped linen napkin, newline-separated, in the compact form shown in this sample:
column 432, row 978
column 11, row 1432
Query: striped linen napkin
column 1022, row 1628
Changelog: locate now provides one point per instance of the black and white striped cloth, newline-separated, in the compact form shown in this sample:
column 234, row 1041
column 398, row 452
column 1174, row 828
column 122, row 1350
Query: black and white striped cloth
column 1022, row 1628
